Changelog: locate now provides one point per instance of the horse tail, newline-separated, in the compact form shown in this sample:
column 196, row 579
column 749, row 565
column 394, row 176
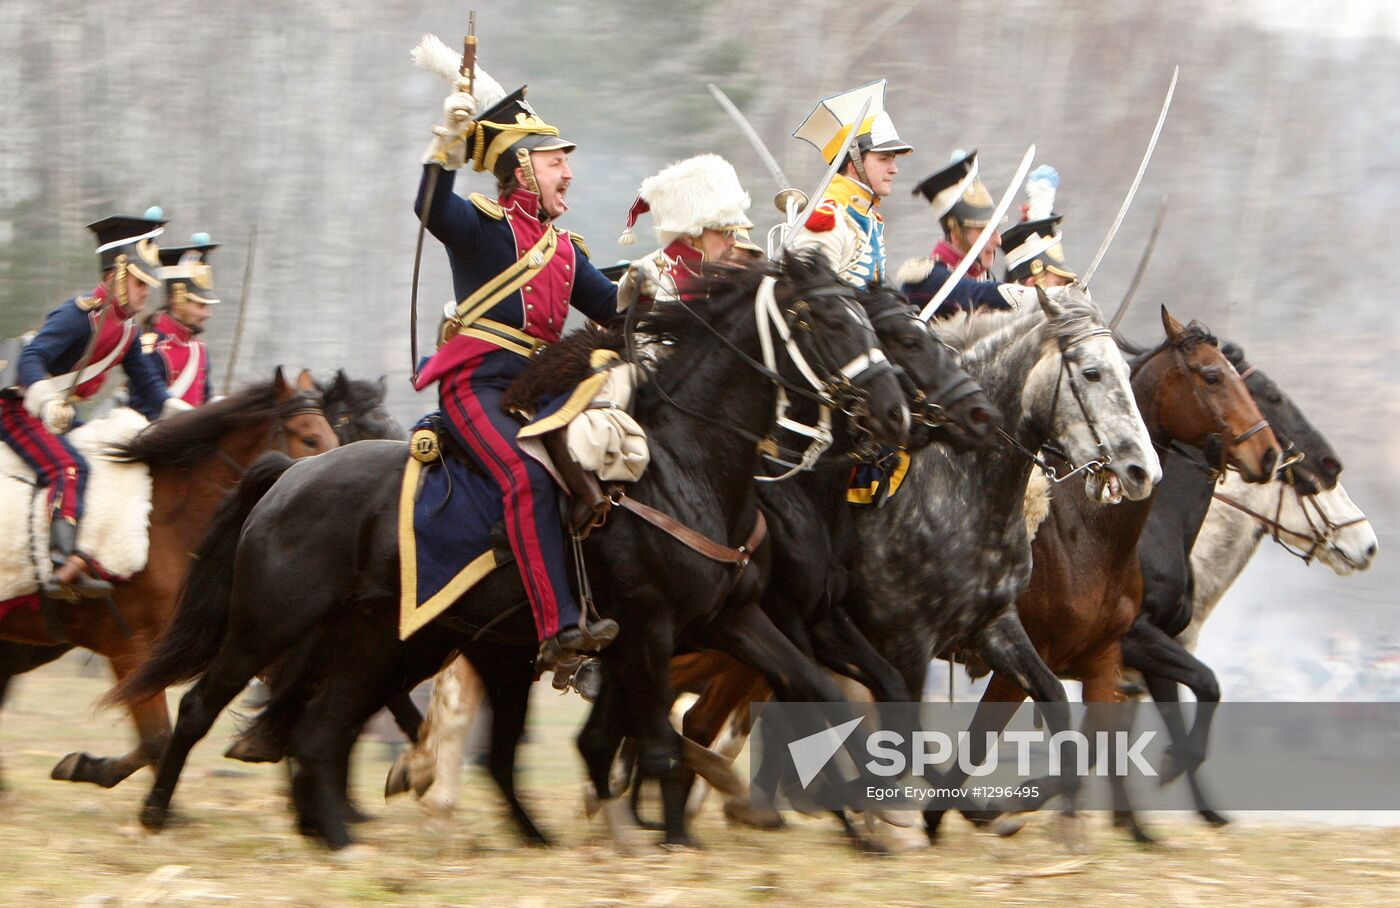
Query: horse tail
column 194, row 636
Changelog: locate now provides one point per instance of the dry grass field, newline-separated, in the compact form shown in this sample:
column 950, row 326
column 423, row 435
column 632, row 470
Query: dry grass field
column 62, row 844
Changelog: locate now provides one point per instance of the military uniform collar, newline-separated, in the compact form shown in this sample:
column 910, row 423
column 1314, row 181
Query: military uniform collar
column 167, row 323
column 525, row 202
column 951, row 255
column 681, row 251
column 850, row 193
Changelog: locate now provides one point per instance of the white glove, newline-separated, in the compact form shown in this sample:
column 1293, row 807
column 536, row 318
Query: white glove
column 57, row 415
column 449, row 145
column 174, row 405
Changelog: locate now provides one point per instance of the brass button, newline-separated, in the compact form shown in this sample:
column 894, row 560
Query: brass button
column 528, row 288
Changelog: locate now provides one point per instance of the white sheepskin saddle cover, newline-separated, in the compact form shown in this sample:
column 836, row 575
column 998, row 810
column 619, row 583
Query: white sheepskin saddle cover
column 116, row 508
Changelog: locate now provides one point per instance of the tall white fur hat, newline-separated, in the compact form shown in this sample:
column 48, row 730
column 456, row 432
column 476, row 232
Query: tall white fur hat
column 690, row 196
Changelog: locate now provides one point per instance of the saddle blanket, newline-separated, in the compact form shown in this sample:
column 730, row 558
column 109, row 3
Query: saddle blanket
column 116, row 515
column 448, row 513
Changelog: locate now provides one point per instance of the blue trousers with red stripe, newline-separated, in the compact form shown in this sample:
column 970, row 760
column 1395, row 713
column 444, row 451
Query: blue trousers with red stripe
column 56, row 464
column 470, row 399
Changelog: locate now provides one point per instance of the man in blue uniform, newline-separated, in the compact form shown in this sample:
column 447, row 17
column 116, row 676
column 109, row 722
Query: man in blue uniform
column 67, row 362
column 964, row 209
column 171, row 342
column 515, row 275
column 1033, row 249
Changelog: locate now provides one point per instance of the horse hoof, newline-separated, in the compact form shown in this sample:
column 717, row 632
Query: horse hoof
column 437, row 802
column 682, row 845
column 352, row 853
column 397, row 782
column 1008, row 825
column 66, row 770
column 756, row 817
column 154, row 817
column 355, row 815
column 1142, row 836
column 1217, row 820
column 251, row 750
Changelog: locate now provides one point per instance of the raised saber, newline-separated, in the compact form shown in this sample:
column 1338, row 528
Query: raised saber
column 983, row 238
column 1132, row 190
column 751, row 134
column 815, row 198
column 1142, row 265
column 242, row 310
column 468, row 70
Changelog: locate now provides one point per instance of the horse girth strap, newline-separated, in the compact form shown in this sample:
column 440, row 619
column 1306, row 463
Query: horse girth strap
column 520, row 273
column 739, row 557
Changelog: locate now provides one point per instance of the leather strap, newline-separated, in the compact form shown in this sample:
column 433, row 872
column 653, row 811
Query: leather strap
column 503, row 336
column 703, row 544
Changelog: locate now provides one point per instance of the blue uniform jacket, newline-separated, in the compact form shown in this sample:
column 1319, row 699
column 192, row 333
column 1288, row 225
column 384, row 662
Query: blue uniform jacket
column 60, row 343
column 968, row 293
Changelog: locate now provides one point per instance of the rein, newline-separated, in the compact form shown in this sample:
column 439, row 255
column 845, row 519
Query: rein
column 1321, row 532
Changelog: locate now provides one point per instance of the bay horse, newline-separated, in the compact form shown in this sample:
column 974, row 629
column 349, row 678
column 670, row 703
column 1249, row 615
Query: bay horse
column 194, row 458
column 1200, row 535
column 703, row 411
column 941, row 566
column 811, row 535
column 1086, row 586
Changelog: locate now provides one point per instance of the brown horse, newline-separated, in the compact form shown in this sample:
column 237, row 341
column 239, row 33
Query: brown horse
column 195, row 458
column 1086, row 588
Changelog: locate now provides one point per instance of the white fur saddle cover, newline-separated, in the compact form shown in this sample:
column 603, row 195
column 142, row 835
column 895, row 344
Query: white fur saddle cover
column 116, row 512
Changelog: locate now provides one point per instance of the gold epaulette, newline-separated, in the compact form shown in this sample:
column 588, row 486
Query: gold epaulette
column 149, row 341
column 582, row 246
column 88, row 303
column 489, row 207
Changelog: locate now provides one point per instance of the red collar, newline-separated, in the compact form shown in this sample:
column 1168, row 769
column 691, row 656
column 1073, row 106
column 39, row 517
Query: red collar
column 950, row 255
column 681, row 251
column 167, row 323
column 528, row 202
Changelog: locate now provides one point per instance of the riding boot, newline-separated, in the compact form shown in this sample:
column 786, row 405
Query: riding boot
column 573, row 640
column 70, row 578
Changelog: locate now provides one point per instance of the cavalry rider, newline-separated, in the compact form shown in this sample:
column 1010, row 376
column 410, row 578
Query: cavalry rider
column 515, row 274
column 68, row 360
column 964, row 209
column 698, row 211
column 845, row 225
column 1033, row 250
column 171, row 341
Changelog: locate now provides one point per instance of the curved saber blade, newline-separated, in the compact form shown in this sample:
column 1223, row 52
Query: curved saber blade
column 1142, row 265
column 815, row 198
column 751, row 134
column 1132, row 190
column 983, row 238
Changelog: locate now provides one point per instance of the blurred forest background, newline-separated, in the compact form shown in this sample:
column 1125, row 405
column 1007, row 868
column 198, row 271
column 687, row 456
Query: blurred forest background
column 1281, row 158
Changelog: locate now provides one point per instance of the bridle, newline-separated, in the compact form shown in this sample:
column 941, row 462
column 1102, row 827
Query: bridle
column 298, row 405
column 927, row 408
column 1104, row 457
column 1215, row 442
column 843, row 389
column 343, row 423
column 1322, row 529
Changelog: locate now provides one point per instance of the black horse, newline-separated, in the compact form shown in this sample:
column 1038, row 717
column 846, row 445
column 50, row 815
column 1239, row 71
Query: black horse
column 1164, row 551
column 301, row 571
column 355, row 409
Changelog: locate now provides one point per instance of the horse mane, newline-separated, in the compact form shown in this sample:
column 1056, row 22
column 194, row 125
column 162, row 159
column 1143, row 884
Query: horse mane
column 351, row 391
column 981, row 336
column 1192, row 335
column 687, row 324
column 184, row 439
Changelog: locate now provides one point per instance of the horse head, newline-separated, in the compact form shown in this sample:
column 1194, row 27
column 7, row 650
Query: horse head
column 1201, row 400
column 356, row 409
column 1083, row 383
column 302, row 425
column 1320, row 466
column 834, row 348
column 947, row 405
